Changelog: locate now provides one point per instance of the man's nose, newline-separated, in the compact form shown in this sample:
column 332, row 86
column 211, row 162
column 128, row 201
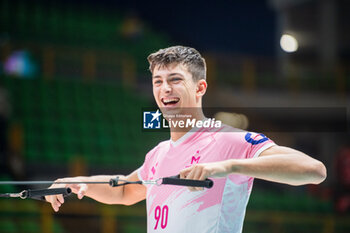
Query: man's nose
column 166, row 87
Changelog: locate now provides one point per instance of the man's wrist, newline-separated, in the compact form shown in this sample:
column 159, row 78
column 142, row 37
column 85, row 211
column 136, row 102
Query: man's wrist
column 233, row 166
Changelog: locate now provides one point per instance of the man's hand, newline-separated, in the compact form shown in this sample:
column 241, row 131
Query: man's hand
column 57, row 200
column 205, row 170
column 125, row 195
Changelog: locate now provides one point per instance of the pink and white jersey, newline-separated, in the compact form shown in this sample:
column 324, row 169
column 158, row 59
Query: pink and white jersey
column 219, row 209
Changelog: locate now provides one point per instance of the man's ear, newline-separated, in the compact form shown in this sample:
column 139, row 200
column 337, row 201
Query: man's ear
column 201, row 88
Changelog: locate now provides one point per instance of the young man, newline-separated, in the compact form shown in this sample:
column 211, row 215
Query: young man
column 230, row 157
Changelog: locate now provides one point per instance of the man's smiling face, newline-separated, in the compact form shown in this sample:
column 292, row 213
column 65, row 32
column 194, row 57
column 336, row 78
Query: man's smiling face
column 174, row 87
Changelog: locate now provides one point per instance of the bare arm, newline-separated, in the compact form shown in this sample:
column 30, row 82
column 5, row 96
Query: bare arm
column 277, row 164
column 126, row 195
column 283, row 165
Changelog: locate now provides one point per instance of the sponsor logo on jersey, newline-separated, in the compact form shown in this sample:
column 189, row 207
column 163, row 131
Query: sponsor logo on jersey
column 194, row 159
column 258, row 139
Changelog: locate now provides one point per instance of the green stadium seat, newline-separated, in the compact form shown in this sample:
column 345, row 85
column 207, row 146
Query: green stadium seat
column 7, row 188
column 57, row 228
column 64, row 118
column 8, row 226
column 29, row 226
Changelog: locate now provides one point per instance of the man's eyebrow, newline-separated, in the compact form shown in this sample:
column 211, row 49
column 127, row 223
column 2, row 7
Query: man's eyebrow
column 172, row 74
column 175, row 74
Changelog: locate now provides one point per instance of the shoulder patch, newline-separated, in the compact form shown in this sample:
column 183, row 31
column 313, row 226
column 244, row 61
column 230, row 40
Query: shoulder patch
column 261, row 138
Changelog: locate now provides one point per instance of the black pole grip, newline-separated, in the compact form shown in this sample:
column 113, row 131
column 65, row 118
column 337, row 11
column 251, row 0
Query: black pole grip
column 40, row 194
column 175, row 180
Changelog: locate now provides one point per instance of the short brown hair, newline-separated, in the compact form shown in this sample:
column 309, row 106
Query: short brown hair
column 187, row 56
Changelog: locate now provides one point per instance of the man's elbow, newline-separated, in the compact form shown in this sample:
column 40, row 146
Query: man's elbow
column 314, row 173
column 319, row 172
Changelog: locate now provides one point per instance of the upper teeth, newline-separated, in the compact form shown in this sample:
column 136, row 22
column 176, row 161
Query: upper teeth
column 169, row 100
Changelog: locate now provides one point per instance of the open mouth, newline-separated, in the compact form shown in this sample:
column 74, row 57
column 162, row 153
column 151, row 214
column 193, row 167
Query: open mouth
column 170, row 101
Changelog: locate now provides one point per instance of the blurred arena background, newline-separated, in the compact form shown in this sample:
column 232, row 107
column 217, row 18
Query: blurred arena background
column 74, row 78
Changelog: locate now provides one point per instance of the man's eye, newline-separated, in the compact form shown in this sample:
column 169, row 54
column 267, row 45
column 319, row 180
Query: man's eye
column 157, row 82
column 176, row 79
